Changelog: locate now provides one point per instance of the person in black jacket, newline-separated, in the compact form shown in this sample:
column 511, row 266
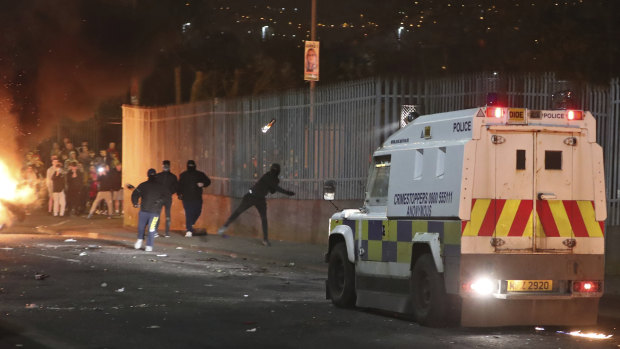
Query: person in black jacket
column 191, row 183
column 151, row 195
column 170, row 182
column 75, row 178
column 268, row 183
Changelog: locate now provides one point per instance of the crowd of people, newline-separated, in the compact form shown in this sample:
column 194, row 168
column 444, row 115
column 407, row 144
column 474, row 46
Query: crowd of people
column 155, row 193
column 75, row 181
column 80, row 182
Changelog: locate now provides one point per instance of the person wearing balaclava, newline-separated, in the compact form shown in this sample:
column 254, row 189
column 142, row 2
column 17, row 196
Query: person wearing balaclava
column 268, row 183
column 149, row 196
column 168, row 180
column 189, row 192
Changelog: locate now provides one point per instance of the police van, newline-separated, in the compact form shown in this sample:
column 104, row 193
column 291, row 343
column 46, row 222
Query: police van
column 491, row 215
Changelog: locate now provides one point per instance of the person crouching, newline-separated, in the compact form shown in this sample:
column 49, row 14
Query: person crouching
column 152, row 195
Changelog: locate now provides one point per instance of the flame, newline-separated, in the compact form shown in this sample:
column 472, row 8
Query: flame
column 12, row 193
column 590, row 335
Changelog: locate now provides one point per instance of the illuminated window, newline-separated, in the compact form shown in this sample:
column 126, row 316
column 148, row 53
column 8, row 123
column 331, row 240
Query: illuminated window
column 378, row 180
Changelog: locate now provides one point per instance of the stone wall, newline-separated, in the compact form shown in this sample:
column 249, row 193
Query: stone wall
column 289, row 219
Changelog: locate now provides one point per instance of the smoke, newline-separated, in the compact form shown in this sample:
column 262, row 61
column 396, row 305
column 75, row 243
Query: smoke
column 61, row 59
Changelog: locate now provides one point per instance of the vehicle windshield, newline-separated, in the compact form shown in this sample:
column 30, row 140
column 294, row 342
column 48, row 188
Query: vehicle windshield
column 378, row 180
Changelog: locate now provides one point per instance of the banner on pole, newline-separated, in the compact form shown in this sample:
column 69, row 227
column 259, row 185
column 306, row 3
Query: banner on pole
column 311, row 61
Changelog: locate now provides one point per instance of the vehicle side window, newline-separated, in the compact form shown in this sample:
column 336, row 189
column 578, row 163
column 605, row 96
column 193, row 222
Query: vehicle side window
column 520, row 159
column 553, row 160
column 418, row 164
column 440, row 169
column 378, row 180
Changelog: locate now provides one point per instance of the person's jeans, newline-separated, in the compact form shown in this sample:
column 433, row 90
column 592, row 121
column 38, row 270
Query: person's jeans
column 167, row 206
column 192, row 212
column 59, row 203
column 101, row 196
column 147, row 220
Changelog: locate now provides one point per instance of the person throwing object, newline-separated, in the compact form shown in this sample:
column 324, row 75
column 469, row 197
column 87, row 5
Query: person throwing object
column 152, row 195
column 268, row 183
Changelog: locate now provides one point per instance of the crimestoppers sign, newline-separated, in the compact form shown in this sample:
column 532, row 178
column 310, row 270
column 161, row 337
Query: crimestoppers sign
column 311, row 61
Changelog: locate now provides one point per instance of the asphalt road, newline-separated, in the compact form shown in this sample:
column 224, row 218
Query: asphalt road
column 105, row 294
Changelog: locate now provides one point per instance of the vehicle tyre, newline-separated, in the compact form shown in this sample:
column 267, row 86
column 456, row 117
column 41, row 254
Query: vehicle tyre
column 341, row 277
column 428, row 293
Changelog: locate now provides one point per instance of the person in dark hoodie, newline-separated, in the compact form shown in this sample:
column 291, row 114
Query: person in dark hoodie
column 191, row 183
column 268, row 183
column 170, row 182
column 151, row 196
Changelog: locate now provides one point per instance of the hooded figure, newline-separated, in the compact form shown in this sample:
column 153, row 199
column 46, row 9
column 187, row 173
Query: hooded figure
column 191, row 183
column 268, row 183
column 170, row 182
column 151, row 196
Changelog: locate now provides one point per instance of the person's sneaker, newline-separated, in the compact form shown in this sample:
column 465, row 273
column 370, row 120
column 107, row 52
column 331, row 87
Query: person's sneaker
column 221, row 231
column 148, row 249
column 188, row 234
column 156, row 235
column 167, row 235
column 266, row 243
column 90, row 215
column 109, row 217
column 138, row 244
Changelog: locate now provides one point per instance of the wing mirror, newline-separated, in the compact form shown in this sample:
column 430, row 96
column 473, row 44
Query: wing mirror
column 329, row 190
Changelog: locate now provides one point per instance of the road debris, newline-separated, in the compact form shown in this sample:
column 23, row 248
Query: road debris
column 103, row 284
column 82, row 254
column 251, row 330
column 154, row 326
column 70, row 240
column 179, row 248
column 40, row 276
column 120, row 290
column 162, row 255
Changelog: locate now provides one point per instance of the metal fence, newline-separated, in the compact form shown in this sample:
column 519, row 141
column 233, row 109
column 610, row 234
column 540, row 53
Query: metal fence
column 609, row 131
column 334, row 138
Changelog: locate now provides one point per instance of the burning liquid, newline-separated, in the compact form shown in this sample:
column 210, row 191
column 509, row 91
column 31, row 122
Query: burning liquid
column 590, row 335
column 13, row 194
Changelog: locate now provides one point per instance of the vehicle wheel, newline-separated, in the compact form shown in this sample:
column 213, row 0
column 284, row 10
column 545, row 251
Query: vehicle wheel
column 341, row 277
column 428, row 293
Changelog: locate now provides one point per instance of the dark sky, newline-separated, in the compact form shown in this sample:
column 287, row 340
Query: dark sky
column 61, row 58
column 64, row 57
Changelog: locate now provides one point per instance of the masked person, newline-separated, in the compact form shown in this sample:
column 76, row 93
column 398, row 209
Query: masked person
column 191, row 183
column 170, row 182
column 151, row 195
column 268, row 183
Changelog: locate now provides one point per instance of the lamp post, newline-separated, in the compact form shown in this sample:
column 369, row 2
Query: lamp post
column 312, row 38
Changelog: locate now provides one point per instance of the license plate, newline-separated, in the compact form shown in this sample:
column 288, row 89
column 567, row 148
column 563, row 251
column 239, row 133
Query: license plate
column 529, row 285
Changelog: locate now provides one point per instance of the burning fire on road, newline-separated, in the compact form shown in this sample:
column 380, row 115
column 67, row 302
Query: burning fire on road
column 14, row 196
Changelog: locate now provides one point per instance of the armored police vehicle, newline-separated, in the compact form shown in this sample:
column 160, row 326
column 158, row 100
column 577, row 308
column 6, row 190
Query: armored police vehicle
column 495, row 215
